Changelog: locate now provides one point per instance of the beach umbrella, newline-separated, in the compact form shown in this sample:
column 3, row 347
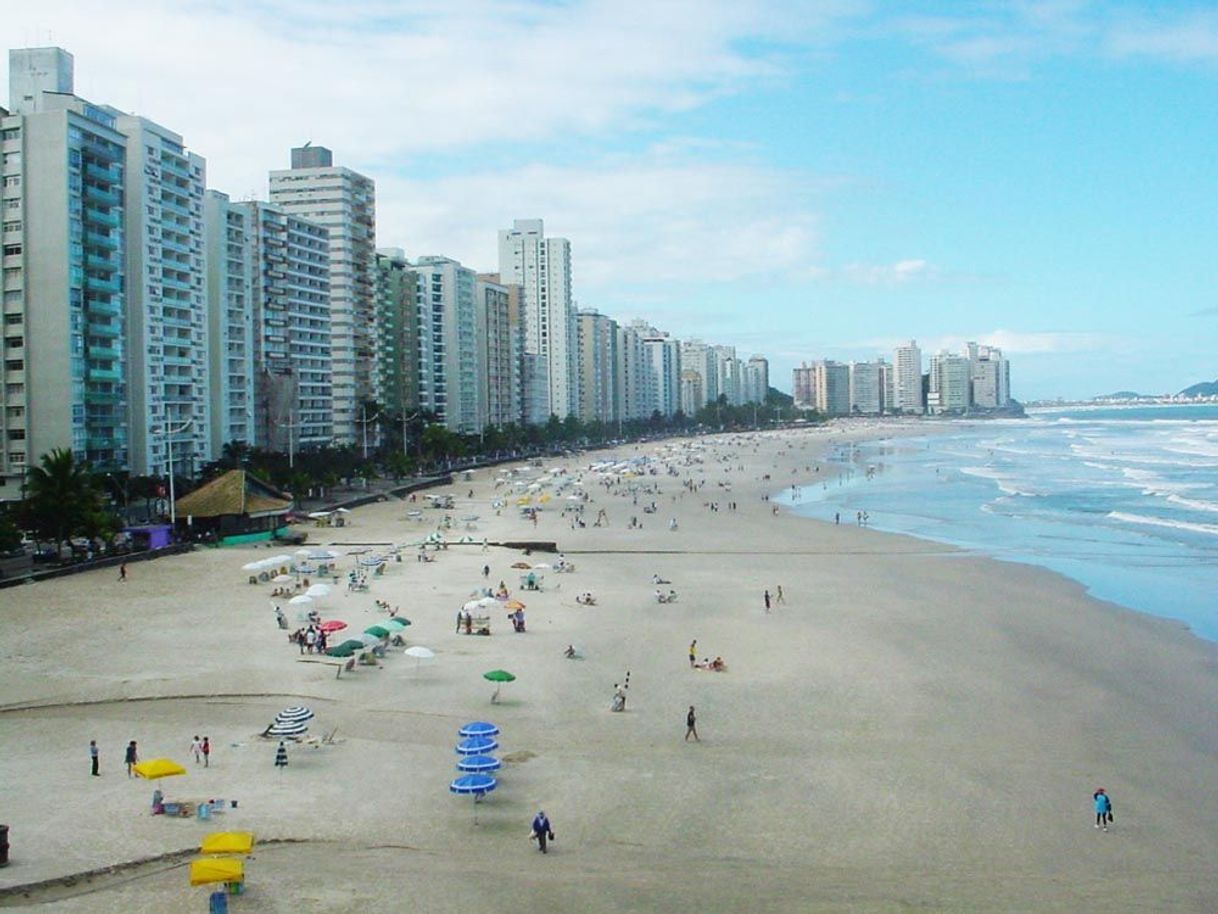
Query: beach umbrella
column 378, row 631
column 302, row 600
column 500, row 677
column 287, row 728
column 419, row 653
column 294, row 714
column 523, row 566
column 346, row 649
column 332, row 625
column 282, row 579
column 318, row 515
column 471, row 605
column 478, row 764
column 252, row 566
column 156, row 768
column 478, row 728
column 322, row 555
column 216, row 869
column 475, row 785
column 514, row 604
column 398, row 622
column 227, row 842
column 317, row 591
column 542, row 566
column 279, row 559
column 477, row 745
column 301, row 553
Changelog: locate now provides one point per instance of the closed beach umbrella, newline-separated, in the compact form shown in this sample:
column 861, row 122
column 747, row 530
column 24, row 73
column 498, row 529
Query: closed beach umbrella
column 477, row 745
column 302, row 600
column 296, row 713
column 478, row 764
column 482, row 728
column 156, row 768
column 281, row 756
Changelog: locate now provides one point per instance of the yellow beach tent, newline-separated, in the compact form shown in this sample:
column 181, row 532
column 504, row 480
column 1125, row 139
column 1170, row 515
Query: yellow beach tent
column 216, row 869
column 227, row 842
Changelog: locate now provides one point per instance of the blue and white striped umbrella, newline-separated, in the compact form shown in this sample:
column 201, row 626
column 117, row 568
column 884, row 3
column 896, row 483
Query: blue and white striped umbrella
column 288, row 728
column 478, row 728
column 476, row 784
column 478, row 764
column 477, row 745
column 294, row 714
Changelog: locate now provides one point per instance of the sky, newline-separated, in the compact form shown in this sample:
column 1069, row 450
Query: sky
column 804, row 179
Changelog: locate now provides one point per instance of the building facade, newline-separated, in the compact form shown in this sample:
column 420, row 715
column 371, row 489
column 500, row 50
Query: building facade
column 398, row 323
column 596, row 365
column 449, row 364
column 230, row 321
column 344, row 202
column 867, row 388
column 542, row 268
column 907, row 379
column 949, row 390
column 990, row 377
column 500, row 341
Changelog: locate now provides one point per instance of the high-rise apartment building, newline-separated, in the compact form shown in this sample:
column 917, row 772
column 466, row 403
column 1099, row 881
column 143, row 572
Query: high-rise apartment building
column 756, row 375
column 990, row 376
column 542, row 268
column 831, row 387
column 398, row 321
column 907, row 379
column 344, row 202
column 803, row 388
column 499, row 342
column 449, row 367
column 727, row 371
column 699, row 358
column 290, row 271
column 949, row 389
column 597, row 366
column 230, row 321
column 63, row 167
column 634, row 377
column 867, row 387
column 664, row 360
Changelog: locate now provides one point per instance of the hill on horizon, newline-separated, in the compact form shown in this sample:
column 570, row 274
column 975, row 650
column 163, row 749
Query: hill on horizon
column 1204, row 389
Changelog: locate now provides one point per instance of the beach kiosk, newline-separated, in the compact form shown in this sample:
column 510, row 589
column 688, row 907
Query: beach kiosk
column 237, row 507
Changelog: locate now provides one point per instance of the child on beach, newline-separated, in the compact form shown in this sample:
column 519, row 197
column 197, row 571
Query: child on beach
column 131, row 757
column 206, row 749
column 196, row 749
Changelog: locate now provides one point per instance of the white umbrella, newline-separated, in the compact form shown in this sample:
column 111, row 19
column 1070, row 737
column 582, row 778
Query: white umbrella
column 301, row 553
column 420, row 652
column 252, row 566
column 343, row 510
column 487, row 602
column 302, row 600
column 278, row 559
column 542, row 566
column 317, row 591
column 317, row 515
column 282, row 579
column 298, row 713
column 472, row 605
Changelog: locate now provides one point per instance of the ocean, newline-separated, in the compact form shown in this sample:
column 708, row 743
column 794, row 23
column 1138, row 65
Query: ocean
column 1122, row 499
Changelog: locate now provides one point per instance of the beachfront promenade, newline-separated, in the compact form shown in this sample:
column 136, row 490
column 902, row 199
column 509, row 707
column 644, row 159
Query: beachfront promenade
column 910, row 727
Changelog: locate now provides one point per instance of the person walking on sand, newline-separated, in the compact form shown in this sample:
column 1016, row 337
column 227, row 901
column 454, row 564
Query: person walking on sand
column 778, row 597
column 767, row 601
column 541, row 831
column 131, row 758
column 1103, row 808
column 122, row 572
column 693, row 653
column 691, row 726
column 93, row 759
column 206, row 748
column 196, row 749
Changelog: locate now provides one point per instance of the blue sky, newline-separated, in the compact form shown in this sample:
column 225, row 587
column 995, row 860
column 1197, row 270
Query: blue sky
column 801, row 179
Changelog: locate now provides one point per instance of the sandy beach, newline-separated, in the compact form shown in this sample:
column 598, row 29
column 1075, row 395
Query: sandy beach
column 911, row 728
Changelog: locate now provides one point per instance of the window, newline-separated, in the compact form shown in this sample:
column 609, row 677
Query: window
column 12, row 181
column 12, row 226
column 16, row 457
column 14, row 365
column 11, row 250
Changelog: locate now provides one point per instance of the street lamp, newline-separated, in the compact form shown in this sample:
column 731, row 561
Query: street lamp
column 169, row 434
column 364, row 422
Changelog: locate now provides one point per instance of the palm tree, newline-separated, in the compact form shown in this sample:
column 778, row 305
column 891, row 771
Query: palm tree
column 63, row 498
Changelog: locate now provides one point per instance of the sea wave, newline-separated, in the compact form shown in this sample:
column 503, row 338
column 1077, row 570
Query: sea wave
column 1005, row 482
column 1151, row 521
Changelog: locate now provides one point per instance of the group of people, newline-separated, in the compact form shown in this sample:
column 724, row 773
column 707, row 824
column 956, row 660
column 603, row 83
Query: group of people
column 310, row 640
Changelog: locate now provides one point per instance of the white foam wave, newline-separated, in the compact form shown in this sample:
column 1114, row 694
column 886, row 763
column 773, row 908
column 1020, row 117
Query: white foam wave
column 1005, row 482
column 1150, row 521
column 1196, row 504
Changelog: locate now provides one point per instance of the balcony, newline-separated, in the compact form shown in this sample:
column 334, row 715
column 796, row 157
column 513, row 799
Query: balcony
column 106, row 174
column 102, row 352
column 96, row 262
column 97, row 239
column 102, row 217
column 175, row 167
column 96, row 284
column 95, row 194
column 103, row 374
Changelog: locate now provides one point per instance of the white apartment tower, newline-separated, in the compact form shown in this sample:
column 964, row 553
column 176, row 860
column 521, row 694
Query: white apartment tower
column 867, row 388
column 344, row 202
column 499, row 352
column 542, row 267
column 907, row 379
column 699, row 358
column 596, row 366
column 756, row 374
column 230, row 321
column 62, row 190
column 949, row 388
column 664, row 361
column 990, row 376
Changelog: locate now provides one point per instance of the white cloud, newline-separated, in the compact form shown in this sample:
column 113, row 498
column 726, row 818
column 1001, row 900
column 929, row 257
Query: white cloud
column 648, row 220
column 900, row 273
column 1188, row 38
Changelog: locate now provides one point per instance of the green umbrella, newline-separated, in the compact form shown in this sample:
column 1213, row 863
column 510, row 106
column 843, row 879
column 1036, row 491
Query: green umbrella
column 378, row 631
column 499, row 676
column 343, row 650
column 399, row 621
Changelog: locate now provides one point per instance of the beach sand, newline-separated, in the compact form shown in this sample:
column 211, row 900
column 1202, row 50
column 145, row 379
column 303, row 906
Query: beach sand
column 913, row 728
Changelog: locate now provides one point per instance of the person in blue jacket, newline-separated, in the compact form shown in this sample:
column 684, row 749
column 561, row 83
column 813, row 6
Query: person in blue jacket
column 1103, row 808
column 542, row 831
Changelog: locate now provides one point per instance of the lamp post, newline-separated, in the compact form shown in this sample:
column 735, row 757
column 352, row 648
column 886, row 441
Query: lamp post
column 169, row 433
column 364, row 421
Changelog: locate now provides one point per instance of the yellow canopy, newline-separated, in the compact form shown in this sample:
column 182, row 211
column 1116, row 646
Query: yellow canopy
column 227, row 842
column 216, row 869
column 158, row 768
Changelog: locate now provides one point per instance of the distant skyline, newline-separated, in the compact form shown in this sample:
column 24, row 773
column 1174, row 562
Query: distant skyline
column 802, row 179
